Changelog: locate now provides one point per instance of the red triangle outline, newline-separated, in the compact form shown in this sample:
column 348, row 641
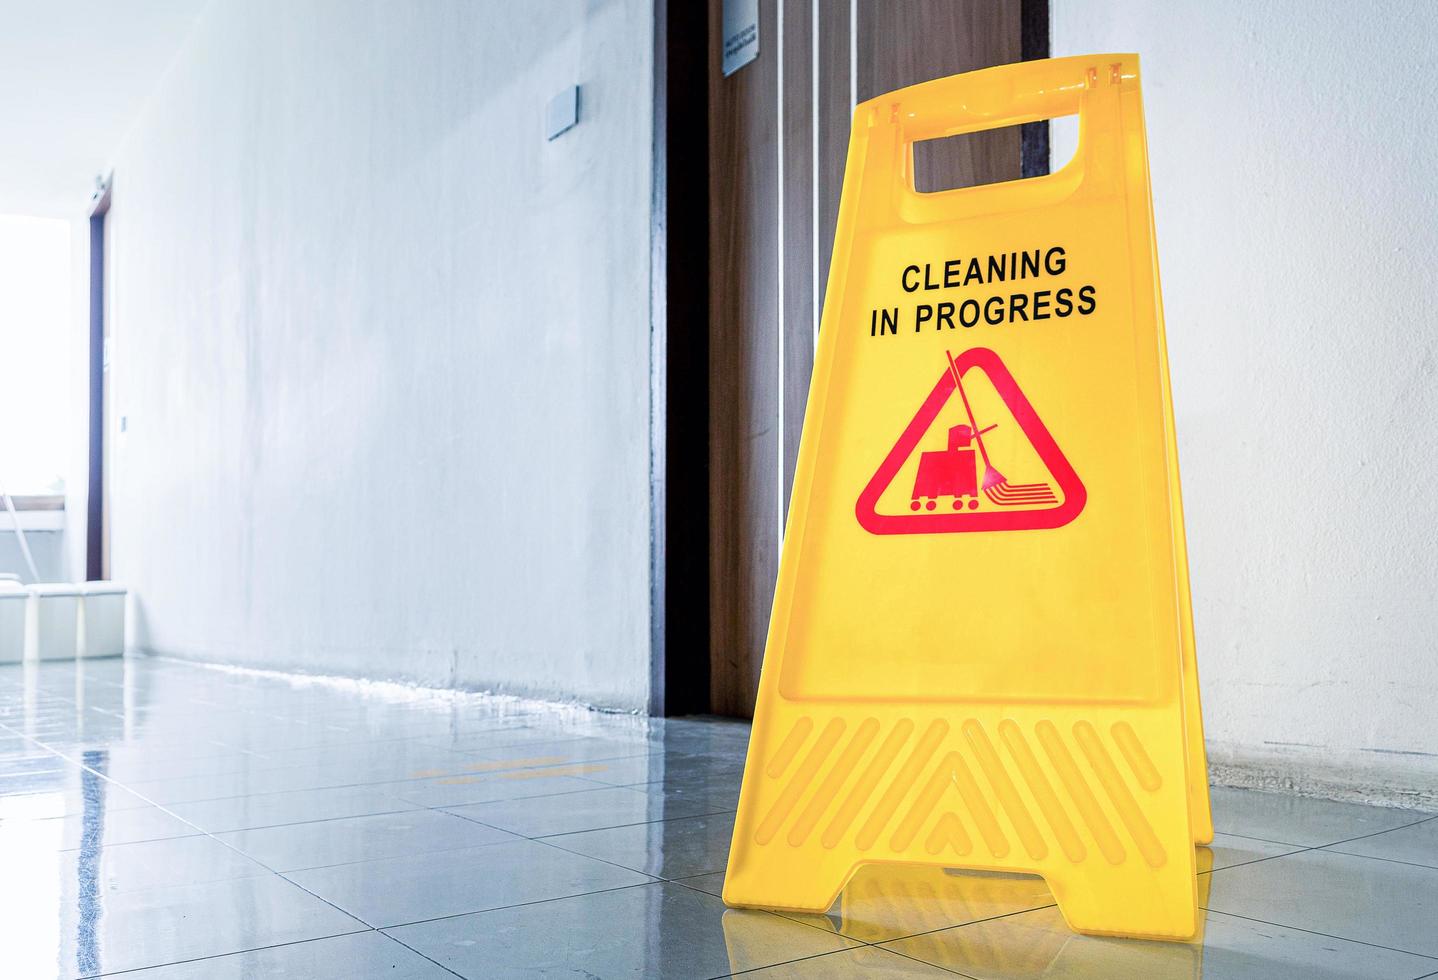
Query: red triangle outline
column 1074, row 494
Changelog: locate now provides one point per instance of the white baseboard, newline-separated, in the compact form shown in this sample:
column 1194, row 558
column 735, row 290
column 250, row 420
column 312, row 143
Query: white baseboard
column 1398, row 779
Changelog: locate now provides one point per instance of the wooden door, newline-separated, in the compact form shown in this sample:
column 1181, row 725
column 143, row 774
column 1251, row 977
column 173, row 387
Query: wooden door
column 778, row 135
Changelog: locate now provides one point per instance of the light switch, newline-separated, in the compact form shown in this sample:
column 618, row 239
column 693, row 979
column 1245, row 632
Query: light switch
column 562, row 113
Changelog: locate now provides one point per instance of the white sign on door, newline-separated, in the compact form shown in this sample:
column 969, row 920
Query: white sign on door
column 740, row 30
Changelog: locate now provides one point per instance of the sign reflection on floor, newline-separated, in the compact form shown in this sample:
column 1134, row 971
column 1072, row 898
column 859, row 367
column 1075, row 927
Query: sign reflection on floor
column 987, row 923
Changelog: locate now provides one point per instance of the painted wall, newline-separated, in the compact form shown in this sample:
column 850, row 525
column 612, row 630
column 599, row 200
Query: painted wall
column 382, row 351
column 1292, row 148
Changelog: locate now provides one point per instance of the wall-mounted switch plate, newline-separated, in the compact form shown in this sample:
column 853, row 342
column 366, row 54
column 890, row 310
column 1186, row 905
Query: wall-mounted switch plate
column 562, row 113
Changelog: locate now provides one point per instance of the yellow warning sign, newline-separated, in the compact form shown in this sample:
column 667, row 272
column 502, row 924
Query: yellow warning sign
column 981, row 649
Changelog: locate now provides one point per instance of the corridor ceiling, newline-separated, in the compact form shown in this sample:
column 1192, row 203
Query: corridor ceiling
column 74, row 76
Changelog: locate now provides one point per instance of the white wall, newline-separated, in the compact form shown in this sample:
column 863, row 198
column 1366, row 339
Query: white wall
column 382, row 350
column 1293, row 148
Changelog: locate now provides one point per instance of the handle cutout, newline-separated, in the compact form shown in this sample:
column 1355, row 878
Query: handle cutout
column 1063, row 141
column 949, row 163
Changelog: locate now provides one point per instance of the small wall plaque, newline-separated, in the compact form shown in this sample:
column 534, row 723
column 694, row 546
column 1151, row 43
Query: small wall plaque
column 740, row 31
column 562, row 113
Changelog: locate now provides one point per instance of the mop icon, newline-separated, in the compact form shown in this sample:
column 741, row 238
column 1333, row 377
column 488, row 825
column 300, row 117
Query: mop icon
column 951, row 472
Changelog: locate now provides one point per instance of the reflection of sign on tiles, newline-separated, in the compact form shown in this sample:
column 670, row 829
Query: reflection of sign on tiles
column 741, row 34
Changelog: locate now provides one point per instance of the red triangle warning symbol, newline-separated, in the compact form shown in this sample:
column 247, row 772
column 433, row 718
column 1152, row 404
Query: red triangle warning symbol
column 958, row 482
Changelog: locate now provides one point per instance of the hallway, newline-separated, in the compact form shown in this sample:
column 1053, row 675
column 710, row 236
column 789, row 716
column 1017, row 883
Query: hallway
column 210, row 822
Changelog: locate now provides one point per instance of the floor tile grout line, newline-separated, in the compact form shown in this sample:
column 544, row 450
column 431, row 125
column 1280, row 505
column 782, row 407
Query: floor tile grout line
column 568, row 763
column 1307, row 848
column 519, row 905
column 1374, row 857
column 549, row 842
column 515, row 837
column 408, row 807
column 426, row 956
column 165, row 807
column 780, row 915
column 426, row 852
column 1261, row 840
column 1296, row 844
column 215, row 956
column 223, row 745
column 965, row 925
column 641, row 747
column 797, row 959
column 1380, row 833
column 230, row 830
column 308, row 789
column 611, row 785
column 1425, row 818
column 665, row 783
column 641, row 823
column 859, row 943
column 1315, row 932
column 618, row 826
column 507, row 799
column 290, row 767
column 918, row 960
column 1297, row 849
column 837, row 952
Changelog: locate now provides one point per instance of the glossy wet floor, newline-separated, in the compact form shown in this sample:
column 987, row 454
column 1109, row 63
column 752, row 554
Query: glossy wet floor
column 186, row 821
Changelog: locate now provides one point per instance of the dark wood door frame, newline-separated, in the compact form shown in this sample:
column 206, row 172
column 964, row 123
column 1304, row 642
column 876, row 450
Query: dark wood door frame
column 680, row 638
column 1034, row 19
column 95, row 511
column 679, row 358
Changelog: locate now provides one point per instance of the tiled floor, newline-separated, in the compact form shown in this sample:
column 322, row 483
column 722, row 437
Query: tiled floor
column 183, row 821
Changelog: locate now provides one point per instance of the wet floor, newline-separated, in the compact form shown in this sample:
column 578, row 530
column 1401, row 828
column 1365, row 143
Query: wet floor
column 184, row 821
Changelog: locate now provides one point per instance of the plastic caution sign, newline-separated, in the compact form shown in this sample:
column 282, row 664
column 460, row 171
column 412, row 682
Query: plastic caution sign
column 981, row 649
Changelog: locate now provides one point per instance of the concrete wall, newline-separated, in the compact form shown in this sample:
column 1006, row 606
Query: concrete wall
column 382, row 350
column 1292, row 147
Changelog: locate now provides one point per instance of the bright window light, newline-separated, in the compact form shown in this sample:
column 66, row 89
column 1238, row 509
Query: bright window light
column 34, row 353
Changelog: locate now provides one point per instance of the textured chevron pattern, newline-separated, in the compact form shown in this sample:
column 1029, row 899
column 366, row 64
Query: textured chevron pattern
column 962, row 788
